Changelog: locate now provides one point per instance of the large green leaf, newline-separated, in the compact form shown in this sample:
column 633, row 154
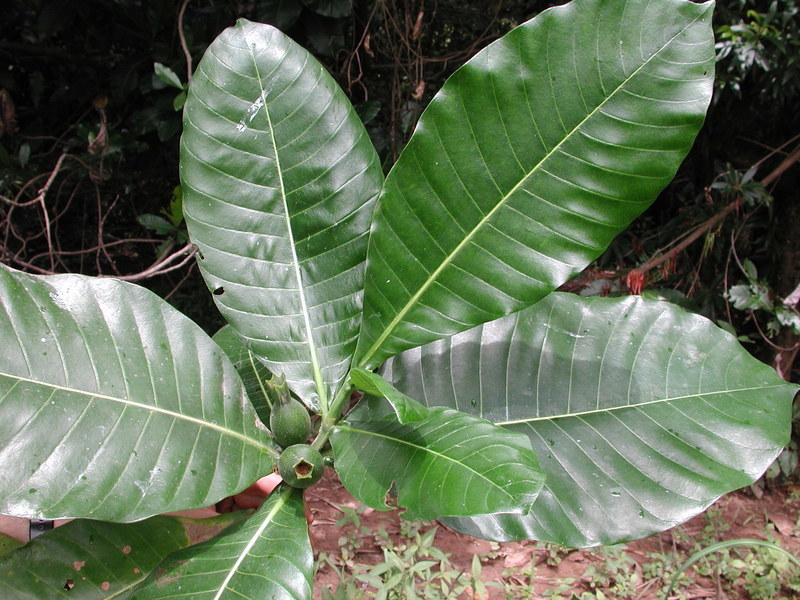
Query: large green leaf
column 267, row 556
column 253, row 373
column 8, row 543
column 439, row 461
column 115, row 406
column 97, row 560
column 640, row 413
column 529, row 161
column 279, row 180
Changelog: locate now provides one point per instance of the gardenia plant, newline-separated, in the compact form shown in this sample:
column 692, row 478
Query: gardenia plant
column 487, row 399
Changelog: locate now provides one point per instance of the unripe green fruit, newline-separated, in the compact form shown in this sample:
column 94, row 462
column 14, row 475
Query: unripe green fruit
column 301, row 465
column 289, row 422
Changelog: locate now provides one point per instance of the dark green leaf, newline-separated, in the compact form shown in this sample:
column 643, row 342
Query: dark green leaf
column 280, row 13
column 279, row 180
column 96, row 560
column 254, row 374
column 640, row 413
column 175, row 211
column 405, row 409
column 529, row 161
column 167, row 75
column 449, row 463
column 155, row 223
column 750, row 270
column 115, row 406
column 325, row 35
column 8, row 543
column 368, row 110
column 267, row 556
column 179, row 101
column 330, row 8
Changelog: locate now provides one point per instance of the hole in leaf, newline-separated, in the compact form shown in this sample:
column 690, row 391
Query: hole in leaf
column 390, row 498
column 219, row 291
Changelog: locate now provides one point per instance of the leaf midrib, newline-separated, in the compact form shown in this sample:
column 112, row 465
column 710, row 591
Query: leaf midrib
column 301, row 291
column 147, row 407
column 638, row 404
column 433, row 277
column 268, row 519
column 426, row 449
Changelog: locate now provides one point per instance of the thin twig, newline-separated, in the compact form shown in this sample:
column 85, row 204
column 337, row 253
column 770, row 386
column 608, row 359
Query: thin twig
column 18, row 261
column 100, row 225
column 181, row 281
column 40, row 198
column 182, row 38
column 160, row 267
column 785, row 164
column 699, row 231
column 772, row 151
column 15, row 202
column 712, row 222
column 766, row 339
column 125, row 242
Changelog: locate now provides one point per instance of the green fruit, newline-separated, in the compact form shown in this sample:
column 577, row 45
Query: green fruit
column 301, row 465
column 289, row 422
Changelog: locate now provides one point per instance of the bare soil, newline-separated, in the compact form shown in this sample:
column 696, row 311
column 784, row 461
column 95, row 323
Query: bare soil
column 738, row 515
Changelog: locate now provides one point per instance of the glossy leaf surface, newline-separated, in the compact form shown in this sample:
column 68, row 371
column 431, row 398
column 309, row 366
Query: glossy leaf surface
column 529, row 161
column 279, row 180
column 405, row 409
column 441, row 463
column 253, row 373
column 641, row 414
column 93, row 560
column 115, row 406
column 267, row 556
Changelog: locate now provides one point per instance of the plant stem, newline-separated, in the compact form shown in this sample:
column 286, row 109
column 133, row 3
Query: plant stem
column 331, row 415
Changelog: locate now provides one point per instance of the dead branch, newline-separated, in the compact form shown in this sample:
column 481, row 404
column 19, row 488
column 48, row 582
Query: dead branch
column 161, row 267
column 698, row 231
column 779, row 170
column 708, row 225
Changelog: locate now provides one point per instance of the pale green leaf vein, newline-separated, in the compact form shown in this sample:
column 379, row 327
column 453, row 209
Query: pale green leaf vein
column 146, row 407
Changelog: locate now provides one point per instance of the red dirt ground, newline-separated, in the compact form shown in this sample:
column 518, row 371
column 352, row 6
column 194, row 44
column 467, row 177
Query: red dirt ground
column 738, row 515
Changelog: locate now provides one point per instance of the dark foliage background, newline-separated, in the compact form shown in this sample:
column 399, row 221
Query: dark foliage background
column 89, row 137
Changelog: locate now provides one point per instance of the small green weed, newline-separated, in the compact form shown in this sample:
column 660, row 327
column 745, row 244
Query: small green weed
column 554, row 553
column 615, row 577
column 518, row 583
column 563, row 587
column 659, row 570
column 413, row 568
column 761, row 568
